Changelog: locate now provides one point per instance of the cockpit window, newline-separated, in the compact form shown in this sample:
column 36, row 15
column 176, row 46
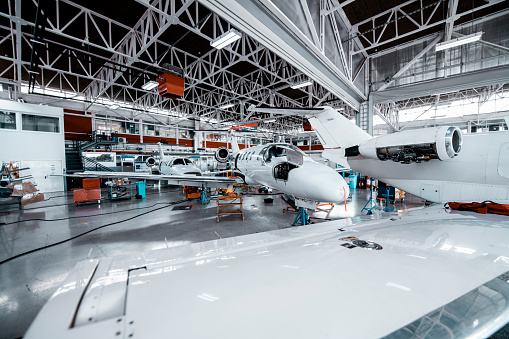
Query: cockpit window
column 178, row 161
column 293, row 154
column 188, row 162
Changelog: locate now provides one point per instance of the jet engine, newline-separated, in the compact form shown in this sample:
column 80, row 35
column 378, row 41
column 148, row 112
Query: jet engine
column 222, row 155
column 412, row 146
column 152, row 162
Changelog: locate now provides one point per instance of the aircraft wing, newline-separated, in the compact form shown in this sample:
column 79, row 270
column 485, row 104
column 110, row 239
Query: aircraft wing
column 426, row 274
column 188, row 180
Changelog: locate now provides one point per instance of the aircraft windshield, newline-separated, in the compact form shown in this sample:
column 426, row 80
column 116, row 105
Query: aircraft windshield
column 188, row 162
column 293, row 154
column 178, row 161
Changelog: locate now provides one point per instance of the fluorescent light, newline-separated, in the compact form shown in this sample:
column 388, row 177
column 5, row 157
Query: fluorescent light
column 302, row 84
column 114, row 106
column 227, row 106
column 226, row 39
column 270, row 120
column 458, row 41
column 150, row 85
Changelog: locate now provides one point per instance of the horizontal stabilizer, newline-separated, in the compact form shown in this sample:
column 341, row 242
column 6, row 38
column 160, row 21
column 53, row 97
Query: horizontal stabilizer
column 337, row 156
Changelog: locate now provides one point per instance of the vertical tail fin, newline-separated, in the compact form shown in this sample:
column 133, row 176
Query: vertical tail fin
column 331, row 127
column 161, row 152
column 335, row 131
column 233, row 141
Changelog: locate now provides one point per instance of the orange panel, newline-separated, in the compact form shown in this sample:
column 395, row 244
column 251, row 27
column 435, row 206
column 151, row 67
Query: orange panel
column 91, row 183
column 94, row 194
column 80, row 195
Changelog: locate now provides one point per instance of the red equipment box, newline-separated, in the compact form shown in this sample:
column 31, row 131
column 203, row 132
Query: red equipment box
column 84, row 195
column 91, row 183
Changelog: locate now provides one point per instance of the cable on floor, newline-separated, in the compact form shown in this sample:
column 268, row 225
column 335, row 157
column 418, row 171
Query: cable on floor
column 82, row 216
column 89, row 231
column 72, row 203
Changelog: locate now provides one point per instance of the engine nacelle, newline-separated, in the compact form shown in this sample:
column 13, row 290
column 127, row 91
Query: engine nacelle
column 441, row 143
column 222, row 154
column 152, row 162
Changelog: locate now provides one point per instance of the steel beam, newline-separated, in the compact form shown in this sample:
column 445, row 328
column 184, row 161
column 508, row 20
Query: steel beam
column 266, row 23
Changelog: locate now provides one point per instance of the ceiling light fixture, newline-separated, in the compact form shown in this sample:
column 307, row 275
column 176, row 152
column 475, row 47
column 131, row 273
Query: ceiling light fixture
column 458, row 41
column 226, row 39
column 150, row 85
column 302, row 84
column 227, row 106
column 270, row 120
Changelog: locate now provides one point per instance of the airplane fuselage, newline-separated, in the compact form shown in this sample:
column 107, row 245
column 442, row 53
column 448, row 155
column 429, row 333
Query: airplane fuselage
column 479, row 172
column 285, row 168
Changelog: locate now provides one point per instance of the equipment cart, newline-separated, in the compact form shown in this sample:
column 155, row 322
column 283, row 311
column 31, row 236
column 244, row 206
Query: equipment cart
column 225, row 203
column 124, row 191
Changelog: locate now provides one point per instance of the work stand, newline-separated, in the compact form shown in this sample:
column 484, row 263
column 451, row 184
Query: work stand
column 302, row 217
column 229, row 205
column 372, row 203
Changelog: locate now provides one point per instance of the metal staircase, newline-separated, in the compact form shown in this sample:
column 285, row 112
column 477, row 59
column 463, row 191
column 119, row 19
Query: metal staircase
column 75, row 162
column 90, row 164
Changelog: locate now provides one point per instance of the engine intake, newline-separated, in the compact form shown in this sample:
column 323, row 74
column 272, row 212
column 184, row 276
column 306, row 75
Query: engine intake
column 152, row 162
column 441, row 143
column 222, row 154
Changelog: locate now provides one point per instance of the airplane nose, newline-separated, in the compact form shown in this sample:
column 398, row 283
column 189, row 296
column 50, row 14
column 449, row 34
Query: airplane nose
column 322, row 183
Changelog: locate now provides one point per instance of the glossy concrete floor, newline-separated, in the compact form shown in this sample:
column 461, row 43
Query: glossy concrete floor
column 117, row 227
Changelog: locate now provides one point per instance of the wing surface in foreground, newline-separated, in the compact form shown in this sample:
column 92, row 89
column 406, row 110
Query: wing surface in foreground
column 428, row 272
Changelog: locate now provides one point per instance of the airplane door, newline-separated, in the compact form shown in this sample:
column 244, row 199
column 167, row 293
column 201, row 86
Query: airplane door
column 430, row 192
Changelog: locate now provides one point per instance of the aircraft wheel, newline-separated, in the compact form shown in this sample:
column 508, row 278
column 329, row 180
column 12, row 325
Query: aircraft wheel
column 217, row 219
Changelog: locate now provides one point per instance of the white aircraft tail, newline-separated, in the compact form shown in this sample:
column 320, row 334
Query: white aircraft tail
column 233, row 141
column 332, row 128
column 161, row 152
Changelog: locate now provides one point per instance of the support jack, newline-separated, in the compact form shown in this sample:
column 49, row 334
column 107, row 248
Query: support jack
column 204, row 199
column 302, row 217
column 372, row 203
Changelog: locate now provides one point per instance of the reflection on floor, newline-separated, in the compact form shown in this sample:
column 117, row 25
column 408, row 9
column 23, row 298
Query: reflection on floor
column 126, row 226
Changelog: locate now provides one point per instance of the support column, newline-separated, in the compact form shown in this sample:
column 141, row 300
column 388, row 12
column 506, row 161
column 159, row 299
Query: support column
column 19, row 34
column 141, row 130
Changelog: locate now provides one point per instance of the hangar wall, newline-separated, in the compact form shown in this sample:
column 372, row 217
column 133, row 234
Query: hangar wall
column 37, row 141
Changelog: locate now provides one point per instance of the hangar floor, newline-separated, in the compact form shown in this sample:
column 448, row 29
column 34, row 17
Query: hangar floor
column 120, row 227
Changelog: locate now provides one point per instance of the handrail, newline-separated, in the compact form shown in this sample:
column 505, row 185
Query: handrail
column 92, row 165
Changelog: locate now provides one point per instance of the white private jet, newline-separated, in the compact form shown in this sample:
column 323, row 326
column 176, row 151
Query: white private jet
column 169, row 165
column 286, row 168
column 437, row 164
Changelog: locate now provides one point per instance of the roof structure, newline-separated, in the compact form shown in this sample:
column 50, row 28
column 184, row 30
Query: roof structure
column 91, row 54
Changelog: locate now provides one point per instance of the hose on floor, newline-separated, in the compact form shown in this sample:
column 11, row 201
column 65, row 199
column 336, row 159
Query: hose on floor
column 89, row 231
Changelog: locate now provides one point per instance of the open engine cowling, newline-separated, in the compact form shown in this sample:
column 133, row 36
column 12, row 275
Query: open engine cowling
column 222, row 154
column 441, row 143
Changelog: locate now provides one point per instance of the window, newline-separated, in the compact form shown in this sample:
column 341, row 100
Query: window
column 40, row 123
column 7, row 120
column 178, row 161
